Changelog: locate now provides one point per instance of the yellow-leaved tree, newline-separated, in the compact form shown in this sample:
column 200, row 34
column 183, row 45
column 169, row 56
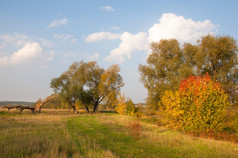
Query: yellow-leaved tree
column 200, row 105
column 121, row 106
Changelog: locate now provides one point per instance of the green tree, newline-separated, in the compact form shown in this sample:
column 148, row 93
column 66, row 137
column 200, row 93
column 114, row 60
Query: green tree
column 168, row 64
column 188, row 63
column 54, row 102
column 162, row 70
column 68, row 87
column 88, row 83
column 130, row 107
column 218, row 57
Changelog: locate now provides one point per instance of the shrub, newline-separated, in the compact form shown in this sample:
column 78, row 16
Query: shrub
column 121, row 106
column 200, row 105
column 126, row 106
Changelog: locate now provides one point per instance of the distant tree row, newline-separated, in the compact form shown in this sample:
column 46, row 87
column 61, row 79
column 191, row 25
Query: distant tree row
column 169, row 63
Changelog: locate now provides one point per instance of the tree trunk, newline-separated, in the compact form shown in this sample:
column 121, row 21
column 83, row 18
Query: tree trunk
column 39, row 111
column 86, row 108
column 33, row 110
column 95, row 107
column 74, row 109
column 21, row 109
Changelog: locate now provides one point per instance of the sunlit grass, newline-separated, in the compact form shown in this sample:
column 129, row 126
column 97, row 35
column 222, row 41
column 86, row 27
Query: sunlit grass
column 112, row 132
column 52, row 134
column 35, row 135
column 43, row 135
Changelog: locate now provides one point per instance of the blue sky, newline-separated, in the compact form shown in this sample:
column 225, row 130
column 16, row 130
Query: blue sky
column 40, row 39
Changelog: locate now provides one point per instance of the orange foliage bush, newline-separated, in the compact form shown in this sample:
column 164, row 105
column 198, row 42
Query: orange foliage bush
column 200, row 105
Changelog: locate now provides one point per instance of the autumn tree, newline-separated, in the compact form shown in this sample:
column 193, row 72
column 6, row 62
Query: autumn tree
column 88, row 83
column 218, row 57
column 125, row 106
column 121, row 105
column 188, row 60
column 161, row 72
column 168, row 64
column 199, row 105
column 68, row 86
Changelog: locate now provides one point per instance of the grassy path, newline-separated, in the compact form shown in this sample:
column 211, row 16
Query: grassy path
column 112, row 133
column 116, row 138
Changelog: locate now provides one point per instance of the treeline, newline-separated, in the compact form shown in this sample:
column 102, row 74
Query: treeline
column 169, row 63
column 193, row 87
column 3, row 103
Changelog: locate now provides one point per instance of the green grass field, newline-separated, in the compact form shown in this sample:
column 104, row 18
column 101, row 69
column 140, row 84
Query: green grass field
column 60, row 134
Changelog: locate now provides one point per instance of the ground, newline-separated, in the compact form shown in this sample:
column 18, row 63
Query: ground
column 58, row 133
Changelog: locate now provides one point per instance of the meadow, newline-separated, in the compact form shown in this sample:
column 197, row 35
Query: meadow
column 59, row 133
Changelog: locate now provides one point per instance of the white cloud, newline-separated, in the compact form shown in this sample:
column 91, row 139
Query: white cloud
column 19, row 49
column 46, row 43
column 107, row 8
column 58, row 22
column 15, row 39
column 63, row 37
column 170, row 26
column 102, row 36
column 7, row 38
column 184, row 30
column 129, row 43
column 51, row 56
column 92, row 57
column 74, row 40
column 27, row 53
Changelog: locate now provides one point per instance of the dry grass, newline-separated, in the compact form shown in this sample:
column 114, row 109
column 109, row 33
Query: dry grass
column 135, row 128
column 28, row 135
column 44, row 135
column 60, row 134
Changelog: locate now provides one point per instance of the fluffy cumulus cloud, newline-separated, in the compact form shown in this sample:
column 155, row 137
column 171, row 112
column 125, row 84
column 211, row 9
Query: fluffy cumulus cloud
column 102, row 36
column 129, row 43
column 27, row 53
column 107, row 8
column 27, row 50
column 184, row 30
column 170, row 26
column 58, row 22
